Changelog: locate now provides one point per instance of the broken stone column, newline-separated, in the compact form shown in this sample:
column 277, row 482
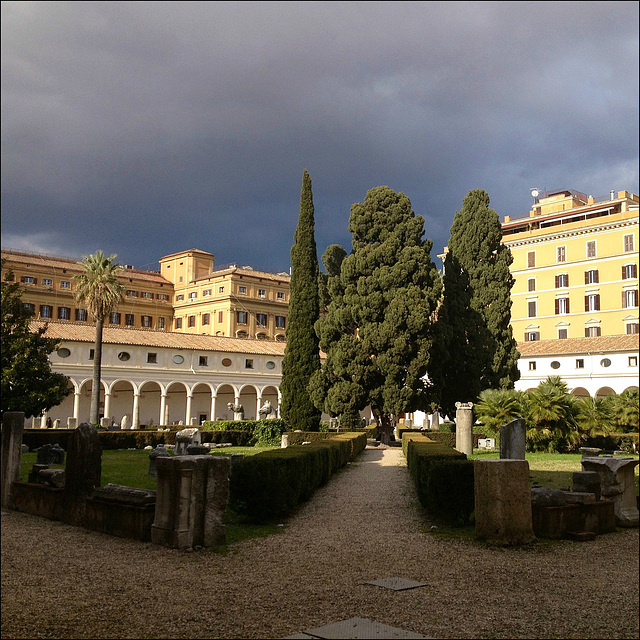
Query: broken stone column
column 617, row 482
column 464, row 427
column 159, row 452
column 503, row 502
column 190, row 501
column 12, row 429
column 83, row 471
column 513, row 440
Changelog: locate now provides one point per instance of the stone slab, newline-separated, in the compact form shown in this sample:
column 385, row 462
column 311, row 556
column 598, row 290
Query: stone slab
column 397, row 584
column 357, row 628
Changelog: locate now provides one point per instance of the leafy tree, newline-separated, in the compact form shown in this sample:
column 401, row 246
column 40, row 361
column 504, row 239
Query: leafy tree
column 332, row 260
column 100, row 291
column 478, row 349
column 377, row 333
column 302, row 353
column 28, row 383
column 552, row 417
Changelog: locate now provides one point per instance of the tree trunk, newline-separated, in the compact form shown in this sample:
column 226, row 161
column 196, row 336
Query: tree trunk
column 94, row 414
column 387, row 425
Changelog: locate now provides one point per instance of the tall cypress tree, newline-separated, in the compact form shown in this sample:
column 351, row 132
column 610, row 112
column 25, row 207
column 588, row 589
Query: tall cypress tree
column 378, row 332
column 473, row 321
column 302, row 354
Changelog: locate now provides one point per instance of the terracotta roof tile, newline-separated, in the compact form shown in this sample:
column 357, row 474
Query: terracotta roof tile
column 600, row 344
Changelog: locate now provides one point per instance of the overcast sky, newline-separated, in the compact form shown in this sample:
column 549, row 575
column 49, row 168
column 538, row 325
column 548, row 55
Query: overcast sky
column 147, row 128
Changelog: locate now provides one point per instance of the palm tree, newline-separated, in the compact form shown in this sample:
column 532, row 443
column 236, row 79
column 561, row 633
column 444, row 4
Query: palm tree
column 497, row 407
column 595, row 415
column 100, row 291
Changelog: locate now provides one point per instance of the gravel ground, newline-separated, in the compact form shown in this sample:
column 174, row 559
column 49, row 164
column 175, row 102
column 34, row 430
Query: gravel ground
column 365, row 524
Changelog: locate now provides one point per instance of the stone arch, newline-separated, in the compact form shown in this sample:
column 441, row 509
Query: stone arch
column 581, row 392
column 225, row 394
column 150, row 402
column 84, row 405
column 176, row 403
column 120, row 403
column 249, row 400
column 603, row 392
column 272, row 394
column 632, row 388
column 201, row 393
column 65, row 409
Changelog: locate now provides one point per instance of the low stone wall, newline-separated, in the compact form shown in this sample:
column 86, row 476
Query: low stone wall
column 38, row 500
column 557, row 522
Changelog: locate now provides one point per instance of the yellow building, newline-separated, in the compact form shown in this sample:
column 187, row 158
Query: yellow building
column 187, row 295
column 232, row 301
column 48, row 288
column 575, row 264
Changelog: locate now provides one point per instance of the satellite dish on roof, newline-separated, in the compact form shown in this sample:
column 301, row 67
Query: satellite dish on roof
column 535, row 193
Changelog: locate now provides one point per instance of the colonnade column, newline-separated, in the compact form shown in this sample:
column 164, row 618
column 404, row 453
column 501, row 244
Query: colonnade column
column 107, row 405
column 76, row 404
column 213, row 407
column 258, row 403
column 187, row 418
column 163, row 409
column 135, row 420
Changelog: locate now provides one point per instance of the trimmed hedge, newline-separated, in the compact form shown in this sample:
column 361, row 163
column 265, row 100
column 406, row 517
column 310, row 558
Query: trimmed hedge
column 270, row 484
column 443, row 478
column 266, row 433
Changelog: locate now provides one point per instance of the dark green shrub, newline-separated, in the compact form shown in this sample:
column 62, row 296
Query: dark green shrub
column 450, row 490
column 447, row 427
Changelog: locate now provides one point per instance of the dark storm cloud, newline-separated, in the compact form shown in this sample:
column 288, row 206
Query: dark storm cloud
column 146, row 128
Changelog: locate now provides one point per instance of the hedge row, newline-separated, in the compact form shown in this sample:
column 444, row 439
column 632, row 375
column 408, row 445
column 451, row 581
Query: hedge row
column 443, row 478
column 270, row 484
column 266, row 433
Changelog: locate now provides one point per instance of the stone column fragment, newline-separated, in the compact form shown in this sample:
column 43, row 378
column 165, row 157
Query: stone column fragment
column 464, row 427
column 12, row 429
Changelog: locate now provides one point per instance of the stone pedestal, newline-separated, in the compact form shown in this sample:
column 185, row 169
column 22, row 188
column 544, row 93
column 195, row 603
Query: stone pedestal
column 464, row 427
column 503, row 502
column 72, row 423
column 513, row 440
column 617, row 482
column 190, row 501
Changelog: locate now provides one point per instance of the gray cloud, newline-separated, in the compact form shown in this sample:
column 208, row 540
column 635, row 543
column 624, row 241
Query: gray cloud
column 144, row 128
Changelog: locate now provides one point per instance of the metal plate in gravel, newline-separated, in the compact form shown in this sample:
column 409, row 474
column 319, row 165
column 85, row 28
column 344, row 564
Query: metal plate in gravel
column 357, row 628
column 397, row 584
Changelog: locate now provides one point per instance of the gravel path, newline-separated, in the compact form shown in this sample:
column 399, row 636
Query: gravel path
column 66, row 582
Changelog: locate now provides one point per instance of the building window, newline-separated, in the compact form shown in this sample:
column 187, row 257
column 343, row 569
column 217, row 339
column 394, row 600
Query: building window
column 31, row 308
column 128, row 319
column 531, row 284
column 163, row 296
column 64, row 313
column 203, row 361
column 65, row 284
column 281, row 322
column 206, row 292
column 580, row 363
column 160, row 323
column 152, row 358
column 178, row 323
column 46, row 311
column 555, row 364
column 628, row 242
column 531, row 336
column 147, row 294
column 271, row 364
column 562, row 306
column 630, row 298
column 191, row 321
column 261, row 320
column 562, row 281
column 193, row 295
column 220, row 316
column 124, row 356
column 131, row 293
column 47, row 282
column 605, row 362
column 561, row 254
column 532, row 365
column 205, row 319
column 81, row 315
column 248, row 364
column 242, row 317
column 63, row 352
column 633, row 361
column 92, row 353
column 280, row 295
column 262, row 293
column 178, row 359
column 180, row 297
column 563, row 334
column 592, row 332
column 629, row 271
column 592, row 302
column 531, row 259
column 29, row 280
column 632, row 327
column 220, row 289
column 114, row 318
column 591, row 276
column 531, row 309
column 591, row 249
column 147, row 321
column 242, row 289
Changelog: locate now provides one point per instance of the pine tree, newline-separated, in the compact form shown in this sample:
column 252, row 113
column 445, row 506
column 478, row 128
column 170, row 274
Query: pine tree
column 28, row 383
column 377, row 333
column 302, row 354
column 473, row 322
